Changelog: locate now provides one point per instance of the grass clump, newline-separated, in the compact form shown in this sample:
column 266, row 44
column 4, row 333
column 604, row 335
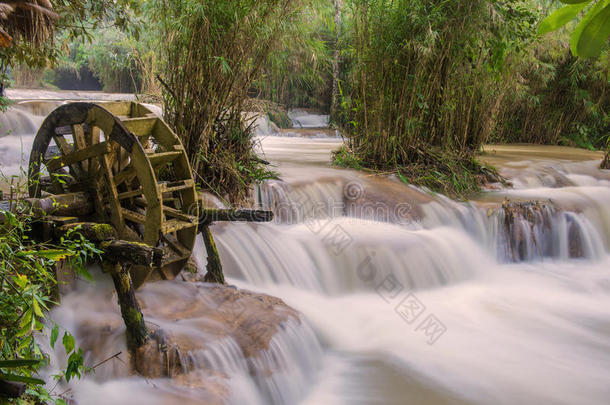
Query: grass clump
column 345, row 158
column 457, row 175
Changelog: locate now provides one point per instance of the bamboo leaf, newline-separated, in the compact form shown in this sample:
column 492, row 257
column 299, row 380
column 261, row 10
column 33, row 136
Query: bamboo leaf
column 54, row 336
column 592, row 32
column 18, row 363
column 37, row 309
column 51, row 254
column 68, row 341
column 575, row 1
column 20, row 378
column 560, row 17
column 27, row 319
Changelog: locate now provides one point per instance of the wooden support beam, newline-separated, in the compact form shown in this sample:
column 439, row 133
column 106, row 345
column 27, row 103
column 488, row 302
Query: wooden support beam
column 69, row 205
column 136, row 331
column 122, row 251
column 209, row 215
column 78, row 156
column 92, row 231
column 214, row 272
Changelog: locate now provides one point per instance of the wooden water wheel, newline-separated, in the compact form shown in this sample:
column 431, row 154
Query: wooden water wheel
column 134, row 169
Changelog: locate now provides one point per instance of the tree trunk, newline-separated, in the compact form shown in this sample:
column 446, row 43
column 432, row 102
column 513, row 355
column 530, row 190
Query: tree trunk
column 334, row 104
column 606, row 162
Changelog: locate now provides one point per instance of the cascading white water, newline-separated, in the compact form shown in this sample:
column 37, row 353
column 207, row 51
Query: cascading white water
column 406, row 297
column 306, row 119
column 449, row 304
column 279, row 374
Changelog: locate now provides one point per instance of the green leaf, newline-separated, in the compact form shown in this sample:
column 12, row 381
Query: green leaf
column 18, row 363
column 51, row 254
column 592, row 32
column 402, row 178
column 54, row 336
column 37, row 309
column 75, row 362
column 20, row 378
column 560, row 17
column 26, row 320
column 25, row 343
column 21, row 280
column 575, row 1
column 68, row 341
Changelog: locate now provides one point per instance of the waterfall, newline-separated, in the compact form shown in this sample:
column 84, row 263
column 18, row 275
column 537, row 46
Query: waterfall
column 393, row 294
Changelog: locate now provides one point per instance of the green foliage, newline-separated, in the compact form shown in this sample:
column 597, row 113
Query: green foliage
column 212, row 54
column 425, row 78
column 111, row 55
column 345, row 158
column 558, row 99
column 593, row 30
column 27, row 285
column 77, row 19
column 10, row 364
column 298, row 71
column 560, row 17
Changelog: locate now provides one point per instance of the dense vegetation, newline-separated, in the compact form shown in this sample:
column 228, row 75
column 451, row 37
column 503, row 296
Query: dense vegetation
column 421, row 86
column 211, row 55
column 28, row 289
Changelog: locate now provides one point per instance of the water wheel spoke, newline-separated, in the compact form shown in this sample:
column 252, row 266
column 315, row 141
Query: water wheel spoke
column 78, row 134
column 178, row 248
column 64, row 147
column 133, row 216
column 130, row 194
column 175, row 225
column 126, row 174
column 160, row 158
column 174, row 213
column 113, row 198
column 77, row 156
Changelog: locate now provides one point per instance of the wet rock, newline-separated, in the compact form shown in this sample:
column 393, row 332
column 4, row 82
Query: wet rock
column 192, row 272
column 195, row 331
column 524, row 223
column 194, row 314
column 575, row 242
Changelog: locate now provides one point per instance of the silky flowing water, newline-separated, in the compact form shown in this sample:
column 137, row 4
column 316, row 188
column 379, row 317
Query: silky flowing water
column 406, row 297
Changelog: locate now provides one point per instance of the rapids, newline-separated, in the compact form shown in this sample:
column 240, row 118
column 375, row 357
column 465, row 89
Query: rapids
column 406, row 297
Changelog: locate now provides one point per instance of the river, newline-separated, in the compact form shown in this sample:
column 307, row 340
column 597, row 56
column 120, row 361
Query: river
column 406, row 297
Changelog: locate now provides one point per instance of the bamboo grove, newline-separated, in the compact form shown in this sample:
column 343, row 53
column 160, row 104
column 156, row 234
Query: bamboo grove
column 417, row 85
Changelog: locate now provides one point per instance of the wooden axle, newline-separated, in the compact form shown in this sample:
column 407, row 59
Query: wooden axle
column 209, row 215
column 79, row 204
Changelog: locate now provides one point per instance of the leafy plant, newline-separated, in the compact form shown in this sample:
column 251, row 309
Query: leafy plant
column 593, row 29
column 212, row 53
column 27, row 285
column 19, row 364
